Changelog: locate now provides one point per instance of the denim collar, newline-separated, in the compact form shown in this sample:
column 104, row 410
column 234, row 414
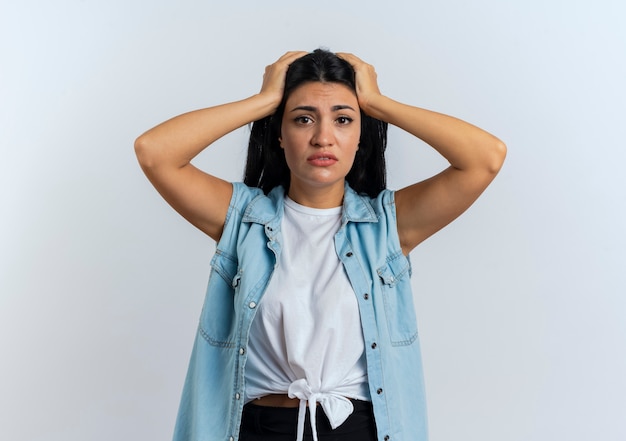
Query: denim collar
column 268, row 210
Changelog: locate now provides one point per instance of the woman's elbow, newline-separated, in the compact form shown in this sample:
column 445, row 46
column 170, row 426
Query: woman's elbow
column 144, row 150
column 497, row 155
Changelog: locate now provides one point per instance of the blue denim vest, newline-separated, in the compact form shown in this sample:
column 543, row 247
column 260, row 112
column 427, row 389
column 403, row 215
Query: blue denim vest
column 368, row 246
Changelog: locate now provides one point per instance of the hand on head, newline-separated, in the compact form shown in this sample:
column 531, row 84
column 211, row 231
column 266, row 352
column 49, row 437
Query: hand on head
column 274, row 76
column 366, row 80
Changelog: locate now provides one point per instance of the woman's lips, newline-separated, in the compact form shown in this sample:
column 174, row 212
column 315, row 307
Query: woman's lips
column 322, row 159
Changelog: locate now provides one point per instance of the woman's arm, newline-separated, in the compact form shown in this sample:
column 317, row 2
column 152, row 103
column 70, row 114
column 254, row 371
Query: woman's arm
column 165, row 152
column 475, row 158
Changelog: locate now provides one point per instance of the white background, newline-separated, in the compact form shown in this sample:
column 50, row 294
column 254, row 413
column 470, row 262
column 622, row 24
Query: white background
column 521, row 301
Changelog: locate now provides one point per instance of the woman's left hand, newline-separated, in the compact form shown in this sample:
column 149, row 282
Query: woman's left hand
column 366, row 81
column 475, row 158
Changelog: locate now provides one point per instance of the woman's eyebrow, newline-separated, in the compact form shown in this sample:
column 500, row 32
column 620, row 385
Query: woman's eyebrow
column 314, row 109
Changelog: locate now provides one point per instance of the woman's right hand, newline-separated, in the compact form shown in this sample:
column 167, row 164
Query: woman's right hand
column 274, row 77
column 165, row 151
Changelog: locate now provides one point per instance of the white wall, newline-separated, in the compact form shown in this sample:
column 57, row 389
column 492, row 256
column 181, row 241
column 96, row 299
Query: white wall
column 521, row 301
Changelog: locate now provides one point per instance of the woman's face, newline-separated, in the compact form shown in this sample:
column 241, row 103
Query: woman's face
column 320, row 133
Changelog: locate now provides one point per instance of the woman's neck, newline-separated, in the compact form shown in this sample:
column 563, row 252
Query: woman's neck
column 320, row 197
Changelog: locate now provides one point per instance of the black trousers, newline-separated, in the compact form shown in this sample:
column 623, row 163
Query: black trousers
column 262, row 423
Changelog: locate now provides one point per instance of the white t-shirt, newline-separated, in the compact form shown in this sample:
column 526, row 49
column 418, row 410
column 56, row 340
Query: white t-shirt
column 306, row 337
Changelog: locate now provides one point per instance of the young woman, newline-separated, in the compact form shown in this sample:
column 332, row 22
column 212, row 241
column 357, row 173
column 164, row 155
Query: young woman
column 308, row 329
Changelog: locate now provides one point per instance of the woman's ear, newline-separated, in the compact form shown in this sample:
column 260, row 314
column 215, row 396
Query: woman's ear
column 280, row 141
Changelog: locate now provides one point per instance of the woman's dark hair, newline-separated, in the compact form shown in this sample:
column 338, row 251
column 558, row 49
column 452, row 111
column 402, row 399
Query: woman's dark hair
column 266, row 166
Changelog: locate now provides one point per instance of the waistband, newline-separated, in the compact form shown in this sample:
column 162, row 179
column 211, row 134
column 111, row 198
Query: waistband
column 283, row 422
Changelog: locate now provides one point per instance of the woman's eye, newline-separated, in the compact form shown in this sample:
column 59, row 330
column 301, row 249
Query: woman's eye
column 303, row 120
column 344, row 120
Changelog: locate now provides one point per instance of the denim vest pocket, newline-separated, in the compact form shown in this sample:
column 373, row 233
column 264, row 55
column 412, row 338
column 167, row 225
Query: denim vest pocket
column 217, row 320
column 398, row 300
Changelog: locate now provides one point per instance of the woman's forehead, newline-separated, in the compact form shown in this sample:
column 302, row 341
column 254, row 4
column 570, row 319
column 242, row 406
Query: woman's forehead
column 322, row 93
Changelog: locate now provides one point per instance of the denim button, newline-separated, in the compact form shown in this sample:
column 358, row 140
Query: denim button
column 252, row 305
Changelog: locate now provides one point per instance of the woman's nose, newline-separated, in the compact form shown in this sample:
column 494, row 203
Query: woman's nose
column 323, row 135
